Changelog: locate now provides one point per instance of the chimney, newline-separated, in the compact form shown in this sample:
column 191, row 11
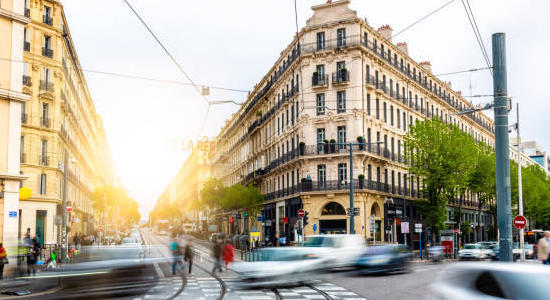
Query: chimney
column 386, row 32
column 426, row 65
column 448, row 84
column 403, row 47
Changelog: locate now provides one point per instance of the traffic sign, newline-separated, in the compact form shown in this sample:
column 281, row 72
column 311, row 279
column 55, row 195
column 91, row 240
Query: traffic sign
column 69, row 209
column 314, row 227
column 301, row 213
column 284, row 220
column 456, row 231
column 520, row 221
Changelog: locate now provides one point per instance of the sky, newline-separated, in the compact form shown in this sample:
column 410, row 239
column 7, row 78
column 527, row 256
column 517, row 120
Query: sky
column 233, row 44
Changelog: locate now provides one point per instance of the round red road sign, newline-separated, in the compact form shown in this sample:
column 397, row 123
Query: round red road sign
column 520, row 221
column 301, row 213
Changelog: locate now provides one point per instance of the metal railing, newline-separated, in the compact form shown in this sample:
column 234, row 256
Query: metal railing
column 319, row 80
column 342, row 76
column 27, row 80
column 46, row 85
column 48, row 20
column 47, row 52
column 44, row 160
column 45, row 122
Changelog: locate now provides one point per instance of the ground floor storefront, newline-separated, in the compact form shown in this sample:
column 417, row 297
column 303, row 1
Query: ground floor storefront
column 38, row 219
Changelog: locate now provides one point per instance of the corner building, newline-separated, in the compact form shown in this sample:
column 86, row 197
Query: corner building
column 59, row 121
column 339, row 80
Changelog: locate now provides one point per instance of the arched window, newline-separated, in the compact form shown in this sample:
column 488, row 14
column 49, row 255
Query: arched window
column 333, row 209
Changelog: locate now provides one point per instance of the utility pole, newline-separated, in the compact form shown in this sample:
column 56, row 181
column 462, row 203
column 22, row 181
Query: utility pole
column 520, row 190
column 64, row 206
column 504, row 211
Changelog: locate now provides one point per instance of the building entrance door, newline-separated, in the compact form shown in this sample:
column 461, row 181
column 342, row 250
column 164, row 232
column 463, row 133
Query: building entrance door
column 337, row 226
column 40, row 223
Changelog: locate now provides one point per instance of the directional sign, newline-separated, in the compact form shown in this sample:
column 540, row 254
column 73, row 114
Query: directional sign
column 520, row 221
column 301, row 213
column 314, row 227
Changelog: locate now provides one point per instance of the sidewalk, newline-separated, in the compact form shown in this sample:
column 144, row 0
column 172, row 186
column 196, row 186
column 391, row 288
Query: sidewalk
column 36, row 286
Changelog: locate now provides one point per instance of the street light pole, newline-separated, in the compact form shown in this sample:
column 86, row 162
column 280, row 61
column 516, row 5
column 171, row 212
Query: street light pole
column 520, row 190
column 351, row 209
column 504, row 211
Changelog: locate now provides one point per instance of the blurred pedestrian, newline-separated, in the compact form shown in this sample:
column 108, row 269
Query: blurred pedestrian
column 31, row 261
column 543, row 248
column 228, row 254
column 3, row 260
column 188, row 255
column 176, row 254
column 217, row 256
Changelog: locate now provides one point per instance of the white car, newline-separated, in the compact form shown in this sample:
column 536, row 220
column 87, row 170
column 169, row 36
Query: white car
column 473, row 251
column 491, row 281
column 339, row 250
column 278, row 266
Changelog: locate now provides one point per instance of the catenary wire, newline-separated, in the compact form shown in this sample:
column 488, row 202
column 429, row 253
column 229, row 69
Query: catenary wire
column 478, row 33
column 479, row 39
column 422, row 19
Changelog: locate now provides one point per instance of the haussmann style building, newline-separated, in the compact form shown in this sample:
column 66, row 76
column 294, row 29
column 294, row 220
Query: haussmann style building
column 59, row 124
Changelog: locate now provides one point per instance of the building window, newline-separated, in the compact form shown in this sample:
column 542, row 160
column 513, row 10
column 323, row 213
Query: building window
column 341, row 101
column 44, row 115
column 342, row 173
column 368, row 104
column 320, row 140
column 321, row 174
column 47, row 47
column 22, row 150
column 48, row 15
column 341, row 132
column 341, row 37
column 320, row 40
column 398, row 114
column 42, row 183
column 377, row 108
column 391, row 115
column 320, row 104
column 385, row 115
column 27, row 43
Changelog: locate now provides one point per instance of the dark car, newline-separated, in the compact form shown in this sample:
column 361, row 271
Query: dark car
column 383, row 258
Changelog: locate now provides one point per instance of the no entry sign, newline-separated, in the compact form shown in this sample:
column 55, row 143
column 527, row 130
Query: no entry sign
column 520, row 221
column 301, row 213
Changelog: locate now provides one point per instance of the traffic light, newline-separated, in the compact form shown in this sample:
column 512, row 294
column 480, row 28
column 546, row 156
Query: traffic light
column 306, row 218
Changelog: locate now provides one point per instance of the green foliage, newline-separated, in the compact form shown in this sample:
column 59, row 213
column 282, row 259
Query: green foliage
column 536, row 194
column 114, row 202
column 215, row 195
column 212, row 193
column 446, row 158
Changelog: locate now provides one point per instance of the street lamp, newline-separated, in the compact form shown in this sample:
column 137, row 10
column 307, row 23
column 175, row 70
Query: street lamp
column 64, row 240
column 520, row 189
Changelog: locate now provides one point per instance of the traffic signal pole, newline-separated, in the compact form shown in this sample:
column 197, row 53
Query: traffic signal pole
column 504, row 212
column 520, row 190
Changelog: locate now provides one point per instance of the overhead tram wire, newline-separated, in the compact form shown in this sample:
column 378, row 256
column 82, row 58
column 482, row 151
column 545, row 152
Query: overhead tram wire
column 423, row 18
column 477, row 35
column 176, row 63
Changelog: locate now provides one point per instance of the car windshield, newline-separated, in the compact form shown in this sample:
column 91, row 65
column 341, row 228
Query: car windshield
column 470, row 246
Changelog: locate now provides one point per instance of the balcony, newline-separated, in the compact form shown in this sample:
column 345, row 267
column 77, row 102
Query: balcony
column 46, row 85
column 47, row 52
column 340, row 77
column 24, row 118
column 27, row 12
column 27, row 46
column 48, row 20
column 45, row 122
column 44, row 160
column 27, row 80
column 319, row 81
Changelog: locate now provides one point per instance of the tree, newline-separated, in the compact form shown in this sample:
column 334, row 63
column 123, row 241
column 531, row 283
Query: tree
column 482, row 181
column 444, row 157
column 212, row 193
column 536, row 194
column 113, row 203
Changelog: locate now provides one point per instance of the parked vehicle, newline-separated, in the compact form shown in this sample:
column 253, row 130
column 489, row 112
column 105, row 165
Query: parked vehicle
column 383, row 258
column 491, row 281
column 529, row 250
column 473, row 251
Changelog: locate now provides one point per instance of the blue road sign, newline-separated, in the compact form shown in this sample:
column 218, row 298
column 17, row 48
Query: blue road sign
column 13, row 214
column 261, row 218
column 314, row 227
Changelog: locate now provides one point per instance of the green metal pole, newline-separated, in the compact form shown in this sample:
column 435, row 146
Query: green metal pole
column 504, row 211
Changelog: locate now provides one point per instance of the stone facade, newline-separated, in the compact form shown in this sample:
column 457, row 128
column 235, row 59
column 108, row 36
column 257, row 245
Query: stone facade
column 340, row 80
column 59, row 121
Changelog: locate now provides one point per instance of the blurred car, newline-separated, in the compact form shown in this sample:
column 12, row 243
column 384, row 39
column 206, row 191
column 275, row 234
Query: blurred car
column 473, row 251
column 383, row 258
column 491, row 281
column 529, row 250
column 494, row 252
column 486, row 246
column 131, row 241
column 339, row 250
column 278, row 266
